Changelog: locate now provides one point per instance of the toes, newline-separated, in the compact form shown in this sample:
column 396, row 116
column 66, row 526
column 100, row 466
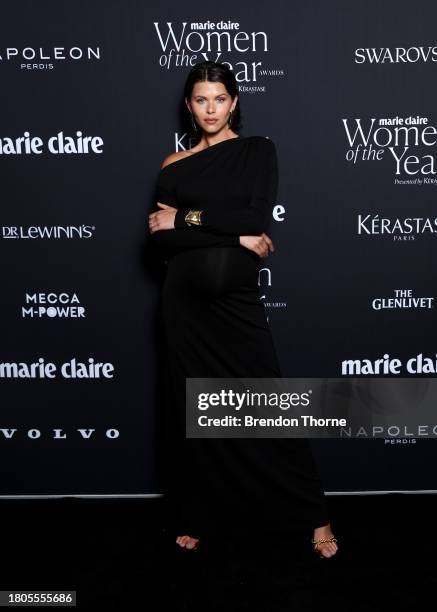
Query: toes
column 181, row 540
column 187, row 542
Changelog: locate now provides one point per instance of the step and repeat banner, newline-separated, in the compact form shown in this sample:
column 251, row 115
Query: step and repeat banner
column 90, row 106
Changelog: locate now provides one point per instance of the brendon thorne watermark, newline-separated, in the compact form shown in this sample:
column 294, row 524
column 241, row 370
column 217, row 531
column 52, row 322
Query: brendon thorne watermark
column 311, row 407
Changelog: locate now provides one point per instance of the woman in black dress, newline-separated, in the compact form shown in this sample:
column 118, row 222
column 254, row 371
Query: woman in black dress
column 214, row 204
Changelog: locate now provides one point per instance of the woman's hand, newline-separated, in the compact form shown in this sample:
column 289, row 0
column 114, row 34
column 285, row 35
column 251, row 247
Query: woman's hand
column 261, row 245
column 162, row 219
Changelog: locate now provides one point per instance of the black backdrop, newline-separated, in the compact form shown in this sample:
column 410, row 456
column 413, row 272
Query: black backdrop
column 76, row 276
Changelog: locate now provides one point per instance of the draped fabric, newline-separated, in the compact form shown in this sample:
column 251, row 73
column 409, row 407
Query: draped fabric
column 214, row 325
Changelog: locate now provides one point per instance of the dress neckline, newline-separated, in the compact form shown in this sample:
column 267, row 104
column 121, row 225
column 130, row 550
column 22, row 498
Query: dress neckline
column 213, row 146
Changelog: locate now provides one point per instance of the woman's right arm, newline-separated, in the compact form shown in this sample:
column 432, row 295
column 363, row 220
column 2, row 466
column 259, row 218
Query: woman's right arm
column 183, row 237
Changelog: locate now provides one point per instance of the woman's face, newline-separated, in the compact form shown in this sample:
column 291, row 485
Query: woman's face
column 210, row 104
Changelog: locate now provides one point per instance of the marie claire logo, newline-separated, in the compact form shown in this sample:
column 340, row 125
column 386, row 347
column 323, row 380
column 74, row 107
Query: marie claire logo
column 57, row 232
column 44, row 58
column 397, row 135
column 400, row 230
column 61, row 144
column 387, row 365
column 52, row 305
column 70, row 369
column 187, row 44
column 404, row 55
column 402, row 299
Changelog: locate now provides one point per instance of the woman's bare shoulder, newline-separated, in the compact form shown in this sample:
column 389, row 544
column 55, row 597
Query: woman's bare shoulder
column 173, row 157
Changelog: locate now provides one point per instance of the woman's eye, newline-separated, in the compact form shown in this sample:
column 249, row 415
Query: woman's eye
column 218, row 99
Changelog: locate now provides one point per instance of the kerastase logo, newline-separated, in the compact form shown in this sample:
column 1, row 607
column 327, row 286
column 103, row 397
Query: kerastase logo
column 403, row 139
column 184, row 44
column 399, row 229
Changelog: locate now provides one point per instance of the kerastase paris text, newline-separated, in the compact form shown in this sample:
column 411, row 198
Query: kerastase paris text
column 396, row 135
column 400, row 229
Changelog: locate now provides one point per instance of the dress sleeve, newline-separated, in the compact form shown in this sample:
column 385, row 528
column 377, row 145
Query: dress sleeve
column 254, row 219
column 183, row 237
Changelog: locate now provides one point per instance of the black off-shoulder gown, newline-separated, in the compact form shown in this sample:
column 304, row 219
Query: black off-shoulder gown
column 215, row 325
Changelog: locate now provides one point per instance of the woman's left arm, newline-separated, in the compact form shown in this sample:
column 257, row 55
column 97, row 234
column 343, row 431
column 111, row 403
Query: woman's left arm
column 254, row 219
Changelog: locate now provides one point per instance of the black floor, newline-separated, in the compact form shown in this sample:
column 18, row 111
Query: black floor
column 118, row 554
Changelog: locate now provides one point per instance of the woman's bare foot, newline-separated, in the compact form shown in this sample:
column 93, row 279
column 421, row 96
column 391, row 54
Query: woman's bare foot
column 187, row 542
column 325, row 549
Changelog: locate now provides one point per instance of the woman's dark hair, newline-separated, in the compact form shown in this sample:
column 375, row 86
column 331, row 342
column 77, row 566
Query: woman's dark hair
column 215, row 72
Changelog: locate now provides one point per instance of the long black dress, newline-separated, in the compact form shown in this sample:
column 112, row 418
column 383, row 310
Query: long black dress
column 214, row 325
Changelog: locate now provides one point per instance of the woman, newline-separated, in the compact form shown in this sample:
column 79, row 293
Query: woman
column 214, row 206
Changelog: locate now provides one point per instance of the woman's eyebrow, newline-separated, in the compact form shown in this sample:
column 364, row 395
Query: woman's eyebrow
column 217, row 96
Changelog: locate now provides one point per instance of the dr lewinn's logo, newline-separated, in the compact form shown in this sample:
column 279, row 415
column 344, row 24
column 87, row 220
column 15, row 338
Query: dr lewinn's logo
column 57, row 232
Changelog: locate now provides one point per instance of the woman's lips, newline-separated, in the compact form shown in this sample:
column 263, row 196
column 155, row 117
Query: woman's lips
column 211, row 120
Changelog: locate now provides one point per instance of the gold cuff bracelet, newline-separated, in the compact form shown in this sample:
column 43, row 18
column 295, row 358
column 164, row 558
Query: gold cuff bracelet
column 193, row 217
